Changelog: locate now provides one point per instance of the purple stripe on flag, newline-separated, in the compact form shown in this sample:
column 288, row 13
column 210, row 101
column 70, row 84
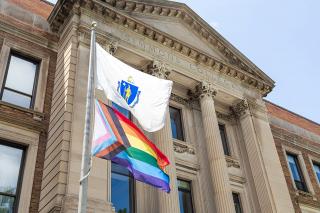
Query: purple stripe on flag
column 143, row 177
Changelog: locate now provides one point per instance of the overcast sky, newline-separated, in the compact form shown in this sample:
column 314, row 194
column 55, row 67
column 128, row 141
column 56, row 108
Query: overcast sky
column 282, row 37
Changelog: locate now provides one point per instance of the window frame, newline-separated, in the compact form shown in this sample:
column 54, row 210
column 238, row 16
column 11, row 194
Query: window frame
column 240, row 200
column 313, row 163
column 132, row 188
column 181, row 121
column 35, row 82
column 300, row 172
column 188, row 191
column 229, row 153
column 20, row 174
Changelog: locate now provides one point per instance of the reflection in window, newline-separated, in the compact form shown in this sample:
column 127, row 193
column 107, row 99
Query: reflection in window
column 10, row 176
column 316, row 168
column 237, row 202
column 185, row 196
column 224, row 140
column 296, row 172
column 176, row 124
column 122, row 110
column 19, row 85
column 122, row 189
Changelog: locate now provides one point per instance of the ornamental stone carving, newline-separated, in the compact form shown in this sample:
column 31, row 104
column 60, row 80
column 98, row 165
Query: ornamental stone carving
column 179, row 148
column 232, row 162
column 240, row 108
column 204, row 89
column 112, row 47
column 159, row 69
column 179, row 99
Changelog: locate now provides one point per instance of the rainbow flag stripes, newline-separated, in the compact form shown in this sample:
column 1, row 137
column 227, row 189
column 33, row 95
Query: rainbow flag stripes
column 116, row 138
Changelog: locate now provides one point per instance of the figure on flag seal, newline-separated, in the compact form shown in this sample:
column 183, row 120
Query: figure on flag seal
column 129, row 92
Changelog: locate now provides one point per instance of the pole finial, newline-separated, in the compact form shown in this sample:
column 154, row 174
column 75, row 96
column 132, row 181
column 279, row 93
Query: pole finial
column 93, row 25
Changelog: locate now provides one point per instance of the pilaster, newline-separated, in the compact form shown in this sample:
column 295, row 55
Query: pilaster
column 163, row 139
column 222, row 194
column 269, row 182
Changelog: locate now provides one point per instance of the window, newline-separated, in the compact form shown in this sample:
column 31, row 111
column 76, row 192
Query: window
column 19, row 84
column 296, row 172
column 224, row 140
column 237, row 202
column 11, row 164
column 122, row 110
column 316, row 168
column 176, row 124
column 185, row 196
column 122, row 189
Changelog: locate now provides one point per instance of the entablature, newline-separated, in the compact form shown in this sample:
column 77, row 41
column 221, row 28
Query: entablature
column 110, row 12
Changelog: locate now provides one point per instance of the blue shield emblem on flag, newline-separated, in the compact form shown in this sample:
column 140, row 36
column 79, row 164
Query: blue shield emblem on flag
column 129, row 92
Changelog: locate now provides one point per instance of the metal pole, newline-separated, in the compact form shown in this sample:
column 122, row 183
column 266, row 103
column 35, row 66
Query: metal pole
column 87, row 137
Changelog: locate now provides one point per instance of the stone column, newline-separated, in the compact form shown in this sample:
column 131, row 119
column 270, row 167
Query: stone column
column 163, row 139
column 222, row 194
column 268, row 178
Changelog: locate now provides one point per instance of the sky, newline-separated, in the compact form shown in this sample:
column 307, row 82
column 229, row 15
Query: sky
column 281, row 37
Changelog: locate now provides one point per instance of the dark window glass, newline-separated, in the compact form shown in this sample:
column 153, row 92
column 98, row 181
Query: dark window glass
column 122, row 189
column 10, row 176
column 185, row 196
column 224, row 140
column 176, row 124
column 316, row 168
column 20, row 81
column 296, row 172
column 122, row 110
column 237, row 202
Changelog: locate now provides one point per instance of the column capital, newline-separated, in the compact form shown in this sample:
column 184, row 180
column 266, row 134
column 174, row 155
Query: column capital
column 203, row 89
column 240, row 108
column 159, row 69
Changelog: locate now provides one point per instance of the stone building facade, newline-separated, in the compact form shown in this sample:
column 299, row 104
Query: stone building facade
column 222, row 151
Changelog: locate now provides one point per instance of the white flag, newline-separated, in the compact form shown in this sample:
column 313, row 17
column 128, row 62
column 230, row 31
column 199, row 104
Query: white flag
column 145, row 96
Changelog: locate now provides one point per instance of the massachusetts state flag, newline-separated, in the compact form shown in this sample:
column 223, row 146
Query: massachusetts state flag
column 145, row 96
column 116, row 138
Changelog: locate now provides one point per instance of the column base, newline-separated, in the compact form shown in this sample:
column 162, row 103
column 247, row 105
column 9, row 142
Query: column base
column 70, row 205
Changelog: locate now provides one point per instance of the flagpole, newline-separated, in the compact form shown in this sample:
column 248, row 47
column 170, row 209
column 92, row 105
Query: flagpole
column 87, row 137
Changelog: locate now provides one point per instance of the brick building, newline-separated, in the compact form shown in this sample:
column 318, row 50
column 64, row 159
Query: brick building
column 297, row 141
column 224, row 155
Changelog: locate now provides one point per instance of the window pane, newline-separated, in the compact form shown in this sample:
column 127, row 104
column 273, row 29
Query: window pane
column 185, row 197
column 122, row 195
column 237, row 202
column 296, row 172
column 16, row 98
column 316, row 168
column 21, row 75
column 9, row 168
column 6, row 204
column 121, row 110
column 176, row 124
column 224, row 139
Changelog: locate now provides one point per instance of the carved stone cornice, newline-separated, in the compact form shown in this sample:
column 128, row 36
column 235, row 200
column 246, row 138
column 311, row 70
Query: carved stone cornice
column 180, row 148
column 117, row 11
column 158, row 69
column 179, row 99
column 203, row 89
column 240, row 108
